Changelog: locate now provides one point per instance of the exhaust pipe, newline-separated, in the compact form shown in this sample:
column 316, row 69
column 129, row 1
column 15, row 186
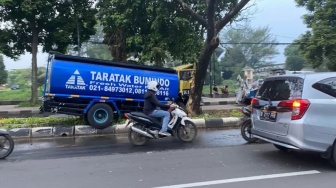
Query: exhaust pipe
column 141, row 132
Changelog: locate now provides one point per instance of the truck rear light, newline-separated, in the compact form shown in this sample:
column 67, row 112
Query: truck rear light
column 299, row 107
column 254, row 101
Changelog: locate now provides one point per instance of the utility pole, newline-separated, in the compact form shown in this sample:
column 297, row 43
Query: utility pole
column 214, row 67
column 210, row 78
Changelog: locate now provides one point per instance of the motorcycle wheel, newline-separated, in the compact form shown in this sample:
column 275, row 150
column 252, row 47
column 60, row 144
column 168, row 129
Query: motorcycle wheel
column 246, row 132
column 183, row 132
column 4, row 151
column 136, row 138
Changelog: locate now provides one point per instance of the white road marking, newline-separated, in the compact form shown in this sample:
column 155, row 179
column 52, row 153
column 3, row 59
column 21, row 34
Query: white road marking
column 234, row 180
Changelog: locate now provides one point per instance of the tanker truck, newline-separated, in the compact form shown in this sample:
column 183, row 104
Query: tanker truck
column 101, row 91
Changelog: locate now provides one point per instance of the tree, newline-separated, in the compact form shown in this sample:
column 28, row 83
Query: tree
column 319, row 44
column 95, row 48
column 294, row 60
column 21, row 77
column 3, row 72
column 213, row 16
column 41, row 76
column 233, row 62
column 149, row 30
column 49, row 23
column 254, row 53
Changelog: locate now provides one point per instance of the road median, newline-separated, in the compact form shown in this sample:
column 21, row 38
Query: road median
column 43, row 130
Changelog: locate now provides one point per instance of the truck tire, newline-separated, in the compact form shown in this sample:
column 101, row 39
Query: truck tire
column 100, row 116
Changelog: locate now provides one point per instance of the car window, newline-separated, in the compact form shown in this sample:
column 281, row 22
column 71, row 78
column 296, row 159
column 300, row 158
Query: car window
column 281, row 89
column 327, row 86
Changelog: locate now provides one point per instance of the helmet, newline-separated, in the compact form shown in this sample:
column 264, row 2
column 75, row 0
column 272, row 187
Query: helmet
column 153, row 85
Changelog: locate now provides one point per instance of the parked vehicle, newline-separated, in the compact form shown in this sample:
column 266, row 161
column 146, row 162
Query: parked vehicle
column 246, row 125
column 102, row 91
column 185, row 73
column 6, row 144
column 15, row 87
column 144, row 127
column 297, row 112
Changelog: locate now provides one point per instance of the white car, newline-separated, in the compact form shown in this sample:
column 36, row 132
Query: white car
column 297, row 112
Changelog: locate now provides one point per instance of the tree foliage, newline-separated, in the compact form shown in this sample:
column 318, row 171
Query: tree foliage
column 215, row 70
column 294, row 60
column 94, row 48
column 22, row 77
column 50, row 23
column 3, row 72
column 246, row 48
column 243, row 49
column 319, row 44
column 149, row 29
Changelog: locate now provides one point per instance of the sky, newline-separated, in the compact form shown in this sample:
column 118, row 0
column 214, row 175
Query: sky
column 282, row 16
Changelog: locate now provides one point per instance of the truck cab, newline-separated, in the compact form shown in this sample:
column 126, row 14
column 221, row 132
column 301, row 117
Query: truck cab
column 185, row 75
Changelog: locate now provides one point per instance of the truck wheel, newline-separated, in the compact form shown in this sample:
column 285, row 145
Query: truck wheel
column 100, row 116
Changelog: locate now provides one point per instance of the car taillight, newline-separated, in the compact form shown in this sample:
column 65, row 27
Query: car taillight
column 254, row 101
column 298, row 106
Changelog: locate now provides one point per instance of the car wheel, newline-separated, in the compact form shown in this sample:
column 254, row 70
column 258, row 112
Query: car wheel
column 332, row 159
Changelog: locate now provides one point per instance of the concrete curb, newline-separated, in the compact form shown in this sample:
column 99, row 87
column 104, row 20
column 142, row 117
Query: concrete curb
column 15, row 102
column 79, row 130
column 220, row 95
column 23, row 114
column 218, row 103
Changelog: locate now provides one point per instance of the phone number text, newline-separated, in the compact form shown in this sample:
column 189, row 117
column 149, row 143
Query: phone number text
column 124, row 90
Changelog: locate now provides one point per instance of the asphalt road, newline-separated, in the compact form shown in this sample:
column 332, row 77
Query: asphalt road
column 218, row 158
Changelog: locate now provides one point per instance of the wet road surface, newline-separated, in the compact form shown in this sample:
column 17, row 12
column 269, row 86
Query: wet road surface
column 218, row 158
column 65, row 147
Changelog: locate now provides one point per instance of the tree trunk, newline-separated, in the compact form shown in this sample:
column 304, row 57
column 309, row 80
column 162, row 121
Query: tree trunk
column 34, row 89
column 194, row 102
column 117, row 43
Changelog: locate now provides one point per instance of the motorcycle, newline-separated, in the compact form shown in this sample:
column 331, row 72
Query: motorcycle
column 246, row 126
column 4, row 139
column 145, row 127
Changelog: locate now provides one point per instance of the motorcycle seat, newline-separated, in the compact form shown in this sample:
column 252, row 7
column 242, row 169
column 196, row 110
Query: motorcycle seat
column 143, row 115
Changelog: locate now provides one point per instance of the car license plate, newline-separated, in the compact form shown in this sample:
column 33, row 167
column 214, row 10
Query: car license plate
column 186, row 92
column 268, row 116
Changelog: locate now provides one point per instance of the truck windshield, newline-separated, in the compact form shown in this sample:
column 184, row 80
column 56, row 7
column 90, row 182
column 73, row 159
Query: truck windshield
column 186, row 75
